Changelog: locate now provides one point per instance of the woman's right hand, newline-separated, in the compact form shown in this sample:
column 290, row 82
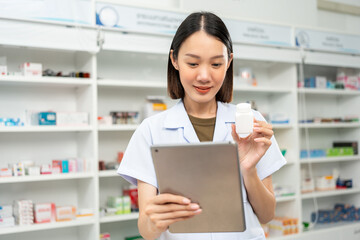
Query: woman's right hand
column 166, row 209
column 159, row 211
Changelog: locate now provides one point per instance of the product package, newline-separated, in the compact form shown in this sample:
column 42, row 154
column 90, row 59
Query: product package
column 65, row 213
column 23, row 212
column 72, row 118
column 31, row 69
column 44, row 212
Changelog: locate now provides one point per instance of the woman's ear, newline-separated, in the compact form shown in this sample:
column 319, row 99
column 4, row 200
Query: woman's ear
column 230, row 59
column 173, row 61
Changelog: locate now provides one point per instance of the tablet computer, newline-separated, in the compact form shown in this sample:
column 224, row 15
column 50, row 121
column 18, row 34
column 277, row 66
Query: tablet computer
column 208, row 174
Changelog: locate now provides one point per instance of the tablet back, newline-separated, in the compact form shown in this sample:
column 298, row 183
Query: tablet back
column 208, row 174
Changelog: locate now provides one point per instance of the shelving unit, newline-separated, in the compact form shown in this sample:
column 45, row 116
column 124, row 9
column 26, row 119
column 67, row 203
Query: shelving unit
column 335, row 103
column 128, row 67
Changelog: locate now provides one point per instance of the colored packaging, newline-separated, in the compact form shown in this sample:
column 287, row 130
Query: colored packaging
column 132, row 192
column 65, row 166
column 56, row 166
column 45, row 169
column 65, row 213
column 105, row 236
column 85, row 212
column 126, row 201
column 44, row 212
column 117, row 203
column 47, row 118
column 5, row 172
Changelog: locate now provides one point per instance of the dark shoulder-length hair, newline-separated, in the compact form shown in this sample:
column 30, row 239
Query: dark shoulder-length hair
column 214, row 26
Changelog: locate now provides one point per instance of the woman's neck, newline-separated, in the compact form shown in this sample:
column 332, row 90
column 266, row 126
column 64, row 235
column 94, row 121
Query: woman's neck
column 200, row 110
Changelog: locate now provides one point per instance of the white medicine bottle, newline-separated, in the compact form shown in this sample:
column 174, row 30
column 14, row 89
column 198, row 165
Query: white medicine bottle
column 244, row 120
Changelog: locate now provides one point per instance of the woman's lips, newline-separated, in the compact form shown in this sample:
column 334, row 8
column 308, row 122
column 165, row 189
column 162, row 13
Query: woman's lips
column 203, row 89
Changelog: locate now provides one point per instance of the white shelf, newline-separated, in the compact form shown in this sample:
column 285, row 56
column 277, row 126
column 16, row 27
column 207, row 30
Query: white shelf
column 331, row 228
column 259, row 89
column 329, row 91
column 46, row 177
column 47, row 226
column 330, row 125
column 338, row 192
column 282, row 126
column 44, row 129
column 45, row 81
column 108, row 173
column 125, row 127
column 290, row 237
column 330, row 159
column 286, row 198
column 119, row 218
column 130, row 83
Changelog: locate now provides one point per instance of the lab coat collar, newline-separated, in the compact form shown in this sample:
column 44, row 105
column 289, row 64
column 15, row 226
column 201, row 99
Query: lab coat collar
column 177, row 117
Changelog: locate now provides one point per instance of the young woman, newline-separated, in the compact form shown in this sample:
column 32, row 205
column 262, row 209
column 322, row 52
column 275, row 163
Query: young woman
column 200, row 74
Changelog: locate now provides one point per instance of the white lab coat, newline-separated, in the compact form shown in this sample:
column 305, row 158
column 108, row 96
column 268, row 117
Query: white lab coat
column 174, row 126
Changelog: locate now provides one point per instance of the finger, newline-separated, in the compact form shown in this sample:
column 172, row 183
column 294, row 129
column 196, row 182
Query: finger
column 268, row 133
column 174, row 215
column 164, row 208
column 164, row 224
column 170, row 198
column 263, row 140
column 262, row 124
column 234, row 134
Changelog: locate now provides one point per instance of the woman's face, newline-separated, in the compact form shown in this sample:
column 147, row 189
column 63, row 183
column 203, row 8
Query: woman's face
column 202, row 63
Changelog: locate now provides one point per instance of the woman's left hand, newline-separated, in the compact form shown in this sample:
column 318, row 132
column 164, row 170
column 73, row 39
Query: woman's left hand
column 253, row 147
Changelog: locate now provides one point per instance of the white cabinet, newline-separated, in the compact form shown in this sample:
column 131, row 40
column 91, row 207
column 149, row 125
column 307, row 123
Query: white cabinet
column 328, row 104
column 55, row 47
column 128, row 68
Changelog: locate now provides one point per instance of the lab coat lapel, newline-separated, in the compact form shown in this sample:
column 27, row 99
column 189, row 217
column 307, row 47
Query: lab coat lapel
column 224, row 118
column 178, row 118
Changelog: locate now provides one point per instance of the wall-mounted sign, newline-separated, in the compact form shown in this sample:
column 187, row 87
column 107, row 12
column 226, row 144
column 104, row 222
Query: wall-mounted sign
column 327, row 41
column 138, row 19
column 258, row 33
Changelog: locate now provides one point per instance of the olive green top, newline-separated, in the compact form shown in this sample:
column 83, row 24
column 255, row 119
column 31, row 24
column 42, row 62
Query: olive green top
column 204, row 128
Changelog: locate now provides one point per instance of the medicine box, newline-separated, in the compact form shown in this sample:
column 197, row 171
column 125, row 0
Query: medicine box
column 43, row 212
column 72, row 118
column 3, row 70
column 65, row 213
column 47, row 118
column 31, row 69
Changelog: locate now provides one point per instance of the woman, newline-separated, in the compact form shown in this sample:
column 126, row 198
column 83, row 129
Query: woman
column 200, row 73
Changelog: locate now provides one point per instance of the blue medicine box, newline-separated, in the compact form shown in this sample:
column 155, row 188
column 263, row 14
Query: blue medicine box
column 65, row 166
column 47, row 118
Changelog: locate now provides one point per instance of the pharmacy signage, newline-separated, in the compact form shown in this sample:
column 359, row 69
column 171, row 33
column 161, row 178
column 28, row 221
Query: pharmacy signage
column 327, row 41
column 259, row 33
column 138, row 19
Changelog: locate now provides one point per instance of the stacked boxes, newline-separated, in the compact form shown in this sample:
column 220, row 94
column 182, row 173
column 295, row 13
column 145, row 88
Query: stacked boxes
column 23, row 212
column 6, row 216
column 281, row 226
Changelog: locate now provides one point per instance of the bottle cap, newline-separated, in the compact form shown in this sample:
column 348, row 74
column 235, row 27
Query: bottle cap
column 243, row 107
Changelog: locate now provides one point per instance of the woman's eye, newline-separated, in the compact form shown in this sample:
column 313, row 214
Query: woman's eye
column 192, row 64
column 217, row 64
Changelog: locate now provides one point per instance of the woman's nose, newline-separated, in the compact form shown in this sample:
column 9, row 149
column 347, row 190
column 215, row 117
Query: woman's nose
column 203, row 74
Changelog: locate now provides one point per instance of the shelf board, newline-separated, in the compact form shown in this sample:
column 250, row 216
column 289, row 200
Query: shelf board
column 330, row 125
column 338, row 192
column 282, row 126
column 108, row 173
column 330, row 159
column 331, row 227
column 287, row 237
column 46, row 177
column 259, row 89
column 24, row 129
column 131, row 83
column 47, row 226
column 119, row 218
column 125, row 127
column 286, row 198
column 45, row 81
column 329, row 91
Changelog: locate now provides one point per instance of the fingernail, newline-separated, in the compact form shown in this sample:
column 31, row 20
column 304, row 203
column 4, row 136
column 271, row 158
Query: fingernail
column 198, row 211
column 194, row 206
column 256, row 124
column 256, row 128
column 185, row 200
